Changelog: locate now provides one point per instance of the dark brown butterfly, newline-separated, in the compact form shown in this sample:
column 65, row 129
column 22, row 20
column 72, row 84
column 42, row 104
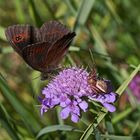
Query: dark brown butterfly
column 42, row 48
column 97, row 85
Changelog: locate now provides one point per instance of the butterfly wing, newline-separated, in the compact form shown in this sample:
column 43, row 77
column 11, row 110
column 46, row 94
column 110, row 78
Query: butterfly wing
column 52, row 31
column 34, row 55
column 42, row 56
column 20, row 36
column 40, row 48
column 59, row 49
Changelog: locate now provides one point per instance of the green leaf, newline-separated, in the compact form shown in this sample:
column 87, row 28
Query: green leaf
column 53, row 128
column 6, row 50
column 34, row 13
column 2, row 33
column 109, row 125
column 74, row 48
column 70, row 6
column 113, row 137
column 4, row 119
column 122, row 115
column 122, row 88
column 19, row 11
column 87, row 132
column 27, row 117
column 83, row 13
column 100, row 47
column 112, row 8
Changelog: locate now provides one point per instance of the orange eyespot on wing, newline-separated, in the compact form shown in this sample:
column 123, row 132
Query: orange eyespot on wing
column 19, row 38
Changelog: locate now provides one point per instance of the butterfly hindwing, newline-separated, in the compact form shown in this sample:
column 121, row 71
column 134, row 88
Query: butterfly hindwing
column 34, row 55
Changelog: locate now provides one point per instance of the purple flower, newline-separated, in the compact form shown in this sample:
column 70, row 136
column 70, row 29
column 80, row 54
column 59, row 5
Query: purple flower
column 107, row 98
column 70, row 90
column 72, row 109
column 135, row 86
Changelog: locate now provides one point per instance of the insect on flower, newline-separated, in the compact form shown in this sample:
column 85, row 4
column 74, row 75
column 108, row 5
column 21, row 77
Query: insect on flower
column 97, row 84
column 72, row 89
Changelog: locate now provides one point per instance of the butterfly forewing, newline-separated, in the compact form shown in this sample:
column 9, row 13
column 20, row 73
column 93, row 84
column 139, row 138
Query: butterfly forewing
column 52, row 31
column 59, row 49
column 20, row 36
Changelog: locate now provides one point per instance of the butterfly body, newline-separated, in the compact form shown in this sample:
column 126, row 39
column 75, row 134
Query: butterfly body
column 43, row 48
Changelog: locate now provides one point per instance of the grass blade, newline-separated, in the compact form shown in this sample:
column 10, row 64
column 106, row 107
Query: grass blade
column 83, row 13
column 27, row 117
column 56, row 128
column 19, row 11
column 34, row 13
column 6, row 124
column 127, row 81
column 2, row 33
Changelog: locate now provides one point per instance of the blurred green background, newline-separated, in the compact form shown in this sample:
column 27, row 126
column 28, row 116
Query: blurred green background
column 109, row 28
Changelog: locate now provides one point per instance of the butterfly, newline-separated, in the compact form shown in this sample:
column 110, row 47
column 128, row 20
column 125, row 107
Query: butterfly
column 41, row 48
column 97, row 84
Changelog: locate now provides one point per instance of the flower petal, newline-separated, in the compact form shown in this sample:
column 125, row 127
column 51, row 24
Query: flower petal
column 112, row 97
column 43, row 109
column 74, row 118
column 109, row 107
column 83, row 105
column 103, row 98
column 75, row 110
column 65, row 113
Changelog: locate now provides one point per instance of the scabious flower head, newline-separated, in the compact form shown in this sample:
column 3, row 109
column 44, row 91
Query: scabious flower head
column 70, row 90
column 105, row 98
column 134, row 86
